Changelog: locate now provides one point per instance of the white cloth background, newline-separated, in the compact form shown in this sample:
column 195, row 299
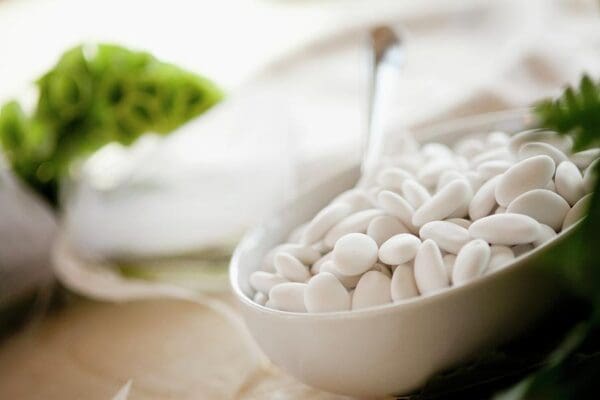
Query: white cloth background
column 297, row 74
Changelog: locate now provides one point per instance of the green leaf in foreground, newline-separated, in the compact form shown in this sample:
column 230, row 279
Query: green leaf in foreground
column 576, row 112
column 572, row 371
column 95, row 95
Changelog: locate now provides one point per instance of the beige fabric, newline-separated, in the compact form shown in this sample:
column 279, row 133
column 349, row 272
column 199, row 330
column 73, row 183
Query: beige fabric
column 169, row 349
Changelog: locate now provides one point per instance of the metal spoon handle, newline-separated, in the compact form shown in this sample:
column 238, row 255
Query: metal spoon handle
column 387, row 57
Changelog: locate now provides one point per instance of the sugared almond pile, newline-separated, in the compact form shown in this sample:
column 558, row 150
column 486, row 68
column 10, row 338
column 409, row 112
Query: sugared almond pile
column 429, row 219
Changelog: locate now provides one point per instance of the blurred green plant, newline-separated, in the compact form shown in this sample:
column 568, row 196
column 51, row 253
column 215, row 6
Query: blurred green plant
column 572, row 371
column 94, row 95
column 576, row 112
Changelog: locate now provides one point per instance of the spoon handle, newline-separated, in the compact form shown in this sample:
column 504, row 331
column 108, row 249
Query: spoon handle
column 387, row 57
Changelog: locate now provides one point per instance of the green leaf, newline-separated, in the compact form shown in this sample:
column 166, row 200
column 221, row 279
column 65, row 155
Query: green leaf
column 94, row 95
column 576, row 112
column 572, row 370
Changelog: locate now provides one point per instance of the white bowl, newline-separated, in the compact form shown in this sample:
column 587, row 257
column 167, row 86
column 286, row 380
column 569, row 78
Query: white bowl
column 394, row 348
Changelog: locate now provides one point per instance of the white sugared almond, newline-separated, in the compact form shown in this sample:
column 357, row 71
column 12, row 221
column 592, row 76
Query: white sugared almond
column 394, row 204
column 324, row 293
column 263, row 281
column 415, row 193
column 531, row 173
column 470, row 262
column 430, row 272
column 569, row 182
column 287, row 296
column 373, row 289
column 384, row 227
column 357, row 222
column 500, row 256
column 399, row 249
column 448, row 236
column 577, row 212
column 507, row 229
column 291, row 268
column 324, row 221
column 355, row 253
column 544, row 206
column 403, row 285
column 445, row 202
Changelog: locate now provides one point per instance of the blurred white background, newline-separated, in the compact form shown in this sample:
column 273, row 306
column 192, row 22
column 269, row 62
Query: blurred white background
column 227, row 40
column 296, row 72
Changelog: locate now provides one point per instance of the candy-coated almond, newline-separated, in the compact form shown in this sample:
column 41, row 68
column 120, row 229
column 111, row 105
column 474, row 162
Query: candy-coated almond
column 430, row 272
column 415, row 193
column 507, row 229
column 470, row 262
column 260, row 298
column 399, row 249
column 263, row 281
column 569, row 182
column 584, row 158
column 384, row 227
column 287, row 296
column 357, row 222
column 394, row 204
column 403, row 285
column 544, row 206
column 564, row 143
column 489, row 169
column 546, row 234
column 291, row 268
column 578, row 211
column 355, row 253
column 448, row 236
column 500, row 256
column 453, row 196
column 532, row 149
column 484, row 200
column 306, row 254
column 373, row 289
column 324, row 293
column 324, row 221
column 349, row 282
column 531, row 173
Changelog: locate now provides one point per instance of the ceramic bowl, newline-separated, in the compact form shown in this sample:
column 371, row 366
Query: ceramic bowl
column 395, row 348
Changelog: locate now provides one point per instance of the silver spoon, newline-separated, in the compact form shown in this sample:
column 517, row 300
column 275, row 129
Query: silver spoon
column 387, row 57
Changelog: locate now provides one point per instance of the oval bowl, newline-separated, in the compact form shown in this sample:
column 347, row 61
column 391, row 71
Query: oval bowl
column 394, row 348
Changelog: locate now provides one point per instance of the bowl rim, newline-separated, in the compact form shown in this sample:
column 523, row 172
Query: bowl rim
column 253, row 235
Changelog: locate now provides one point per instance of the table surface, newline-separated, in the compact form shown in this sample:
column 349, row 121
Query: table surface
column 89, row 350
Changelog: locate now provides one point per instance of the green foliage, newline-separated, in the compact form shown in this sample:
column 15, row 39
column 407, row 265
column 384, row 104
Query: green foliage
column 572, row 371
column 96, row 95
column 576, row 112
